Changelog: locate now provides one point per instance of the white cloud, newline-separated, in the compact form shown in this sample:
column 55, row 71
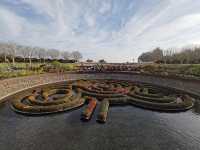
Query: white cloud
column 165, row 23
column 10, row 24
column 90, row 20
column 105, row 7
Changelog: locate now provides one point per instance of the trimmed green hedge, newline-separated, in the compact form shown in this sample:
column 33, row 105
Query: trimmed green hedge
column 76, row 93
column 103, row 111
column 40, row 107
column 162, row 106
column 164, row 99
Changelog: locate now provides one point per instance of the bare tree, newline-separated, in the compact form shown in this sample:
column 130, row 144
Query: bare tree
column 197, row 54
column 12, row 51
column 41, row 54
column 76, row 55
column 53, row 53
column 66, row 55
column 157, row 54
column 4, row 51
column 31, row 53
column 185, row 55
column 23, row 52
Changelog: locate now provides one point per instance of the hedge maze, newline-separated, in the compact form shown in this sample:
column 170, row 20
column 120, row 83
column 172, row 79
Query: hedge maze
column 106, row 93
column 49, row 101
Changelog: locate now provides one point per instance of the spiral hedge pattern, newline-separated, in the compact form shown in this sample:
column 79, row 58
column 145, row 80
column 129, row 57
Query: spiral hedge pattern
column 74, row 94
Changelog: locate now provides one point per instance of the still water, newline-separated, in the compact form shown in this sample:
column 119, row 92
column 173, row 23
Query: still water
column 127, row 128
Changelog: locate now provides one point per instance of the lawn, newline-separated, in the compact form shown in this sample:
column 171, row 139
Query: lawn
column 24, row 69
column 174, row 69
column 17, row 70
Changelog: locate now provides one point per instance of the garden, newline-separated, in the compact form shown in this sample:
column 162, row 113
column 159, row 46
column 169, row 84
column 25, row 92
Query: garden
column 74, row 94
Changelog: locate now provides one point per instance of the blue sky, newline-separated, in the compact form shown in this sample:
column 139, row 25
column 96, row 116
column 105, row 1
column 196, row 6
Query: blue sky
column 115, row 30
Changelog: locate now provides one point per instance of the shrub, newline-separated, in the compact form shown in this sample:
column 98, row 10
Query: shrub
column 195, row 70
column 56, row 64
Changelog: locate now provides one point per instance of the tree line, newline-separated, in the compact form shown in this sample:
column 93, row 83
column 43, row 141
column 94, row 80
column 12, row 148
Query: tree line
column 190, row 55
column 12, row 52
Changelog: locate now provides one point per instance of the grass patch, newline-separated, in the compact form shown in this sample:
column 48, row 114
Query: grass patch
column 8, row 70
column 63, row 66
column 182, row 69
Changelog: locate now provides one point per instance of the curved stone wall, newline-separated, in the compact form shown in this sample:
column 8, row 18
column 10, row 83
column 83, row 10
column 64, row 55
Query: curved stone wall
column 14, row 85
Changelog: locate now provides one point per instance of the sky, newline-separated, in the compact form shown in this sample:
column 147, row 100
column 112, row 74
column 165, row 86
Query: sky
column 114, row 30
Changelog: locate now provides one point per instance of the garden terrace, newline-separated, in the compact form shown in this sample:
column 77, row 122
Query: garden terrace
column 46, row 96
column 15, row 85
column 52, row 93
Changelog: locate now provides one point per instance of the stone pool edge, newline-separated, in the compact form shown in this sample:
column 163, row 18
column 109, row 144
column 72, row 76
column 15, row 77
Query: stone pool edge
column 12, row 86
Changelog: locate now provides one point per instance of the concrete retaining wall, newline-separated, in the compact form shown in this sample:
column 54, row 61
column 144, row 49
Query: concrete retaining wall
column 14, row 85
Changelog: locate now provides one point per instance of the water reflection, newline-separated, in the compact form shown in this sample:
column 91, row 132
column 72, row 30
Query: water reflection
column 127, row 128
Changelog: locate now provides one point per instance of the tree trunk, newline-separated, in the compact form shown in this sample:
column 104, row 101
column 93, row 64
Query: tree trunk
column 181, row 61
column 5, row 58
column 13, row 60
column 30, row 61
